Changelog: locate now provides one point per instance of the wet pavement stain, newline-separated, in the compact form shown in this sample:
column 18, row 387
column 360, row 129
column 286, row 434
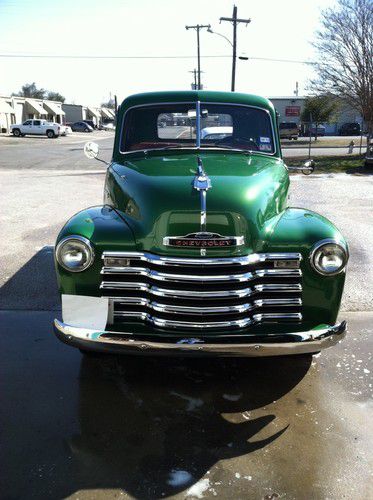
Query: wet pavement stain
column 147, row 428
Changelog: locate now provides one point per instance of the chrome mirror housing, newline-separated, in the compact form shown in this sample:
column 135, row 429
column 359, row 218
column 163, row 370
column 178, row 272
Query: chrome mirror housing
column 91, row 150
column 307, row 168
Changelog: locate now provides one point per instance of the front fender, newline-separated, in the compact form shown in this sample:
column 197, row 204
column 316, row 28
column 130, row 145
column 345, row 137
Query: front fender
column 298, row 230
column 106, row 230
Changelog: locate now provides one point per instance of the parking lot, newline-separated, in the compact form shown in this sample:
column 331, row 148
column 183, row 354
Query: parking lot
column 111, row 427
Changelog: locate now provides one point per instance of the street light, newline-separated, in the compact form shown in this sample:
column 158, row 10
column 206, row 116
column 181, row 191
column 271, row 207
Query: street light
column 242, row 58
column 223, row 36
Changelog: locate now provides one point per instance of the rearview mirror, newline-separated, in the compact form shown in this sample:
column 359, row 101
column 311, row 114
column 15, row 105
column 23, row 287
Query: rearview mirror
column 307, row 168
column 91, row 150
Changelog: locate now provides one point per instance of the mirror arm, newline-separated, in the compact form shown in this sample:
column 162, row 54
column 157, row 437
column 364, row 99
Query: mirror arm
column 103, row 161
column 302, row 169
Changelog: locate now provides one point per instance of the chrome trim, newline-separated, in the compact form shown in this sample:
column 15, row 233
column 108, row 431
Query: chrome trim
column 297, row 342
column 192, row 278
column 201, row 310
column 274, row 136
column 238, row 240
column 202, row 183
column 236, row 323
column 321, row 243
column 254, row 258
column 78, row 238
column 164, row 292
column 198, row 124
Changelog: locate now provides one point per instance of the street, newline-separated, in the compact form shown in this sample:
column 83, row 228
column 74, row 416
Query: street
column 112, row 427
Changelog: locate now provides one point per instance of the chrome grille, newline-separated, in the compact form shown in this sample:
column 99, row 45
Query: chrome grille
column 190, row 293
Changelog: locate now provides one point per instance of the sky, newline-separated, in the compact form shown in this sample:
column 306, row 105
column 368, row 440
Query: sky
column 279, row 29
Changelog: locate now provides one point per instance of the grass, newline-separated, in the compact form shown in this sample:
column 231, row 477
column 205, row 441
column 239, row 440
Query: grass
column 323, row 142
column 349, row 164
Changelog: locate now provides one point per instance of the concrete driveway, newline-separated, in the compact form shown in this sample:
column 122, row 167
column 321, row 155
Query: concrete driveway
column 147, row 428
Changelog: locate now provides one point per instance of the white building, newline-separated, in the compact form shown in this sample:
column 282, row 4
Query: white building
column 78, row 112
column 290, row 110
column 16, row 109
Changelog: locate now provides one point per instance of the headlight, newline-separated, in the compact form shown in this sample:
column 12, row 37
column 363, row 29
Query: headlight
column 74, row 253
column 328, row 257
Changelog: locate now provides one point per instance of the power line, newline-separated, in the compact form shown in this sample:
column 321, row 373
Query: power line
column 69, row 56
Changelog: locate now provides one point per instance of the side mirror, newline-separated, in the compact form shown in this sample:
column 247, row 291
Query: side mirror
column 307, row 168
column 91, row 150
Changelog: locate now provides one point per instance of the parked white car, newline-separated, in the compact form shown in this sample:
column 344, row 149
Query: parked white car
column 65, row 130
column 36, row 127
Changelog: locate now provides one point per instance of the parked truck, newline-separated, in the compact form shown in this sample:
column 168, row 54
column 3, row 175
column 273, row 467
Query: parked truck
column 37, row 127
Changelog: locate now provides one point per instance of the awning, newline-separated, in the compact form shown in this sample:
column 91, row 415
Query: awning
column 53, row 108
column 5, row 107
column 94, row 112
column 36, row 107
column 106, row 113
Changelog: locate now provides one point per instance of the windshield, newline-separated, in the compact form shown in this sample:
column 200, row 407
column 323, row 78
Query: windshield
column 174, row 126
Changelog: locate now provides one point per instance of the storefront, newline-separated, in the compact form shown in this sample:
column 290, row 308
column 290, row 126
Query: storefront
column 7, row 116
column 55, row 112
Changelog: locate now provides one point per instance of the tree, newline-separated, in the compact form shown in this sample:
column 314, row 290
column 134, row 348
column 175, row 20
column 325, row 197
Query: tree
column 319, row 109
column 31, row 90
column 55, row 96
column 110, row 104
column 345, row 56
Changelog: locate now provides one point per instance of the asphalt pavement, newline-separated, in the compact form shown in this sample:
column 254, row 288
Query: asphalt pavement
column 112, row 427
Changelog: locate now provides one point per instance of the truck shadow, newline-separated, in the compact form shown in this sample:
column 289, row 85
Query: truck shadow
column 34, row 285
column 154, row 427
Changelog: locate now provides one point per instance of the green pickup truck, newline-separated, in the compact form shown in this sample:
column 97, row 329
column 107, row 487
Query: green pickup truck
column 195, row 249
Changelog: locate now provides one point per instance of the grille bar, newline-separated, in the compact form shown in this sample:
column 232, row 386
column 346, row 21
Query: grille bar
column 164, row 292
column 180, row 309
column 237, row 323
column 155, row 275
column 218, row 261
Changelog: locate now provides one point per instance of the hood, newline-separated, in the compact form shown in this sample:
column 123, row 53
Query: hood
column 156, row 197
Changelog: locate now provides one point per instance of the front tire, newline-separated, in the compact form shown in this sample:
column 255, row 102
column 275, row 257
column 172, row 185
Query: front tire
column 50, row 134
column 17, row 132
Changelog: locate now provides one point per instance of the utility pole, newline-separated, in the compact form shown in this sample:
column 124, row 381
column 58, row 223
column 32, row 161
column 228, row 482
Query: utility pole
column 198, row 27
column 234, row 20
column 194, row 85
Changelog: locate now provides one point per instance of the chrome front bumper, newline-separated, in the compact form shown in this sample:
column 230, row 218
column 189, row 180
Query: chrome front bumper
column 117, row 342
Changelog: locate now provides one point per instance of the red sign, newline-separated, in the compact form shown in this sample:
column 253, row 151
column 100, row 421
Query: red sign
column 292, row 111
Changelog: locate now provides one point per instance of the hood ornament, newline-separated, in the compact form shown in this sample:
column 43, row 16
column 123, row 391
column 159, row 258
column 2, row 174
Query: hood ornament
column 202, row 183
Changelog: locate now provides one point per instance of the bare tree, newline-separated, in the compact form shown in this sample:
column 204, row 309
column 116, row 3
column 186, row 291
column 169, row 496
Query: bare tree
column 345, row 48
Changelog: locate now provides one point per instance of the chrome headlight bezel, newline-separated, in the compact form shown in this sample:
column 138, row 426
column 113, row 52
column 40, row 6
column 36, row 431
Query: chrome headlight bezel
column 81, row 241
column 316, row 249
